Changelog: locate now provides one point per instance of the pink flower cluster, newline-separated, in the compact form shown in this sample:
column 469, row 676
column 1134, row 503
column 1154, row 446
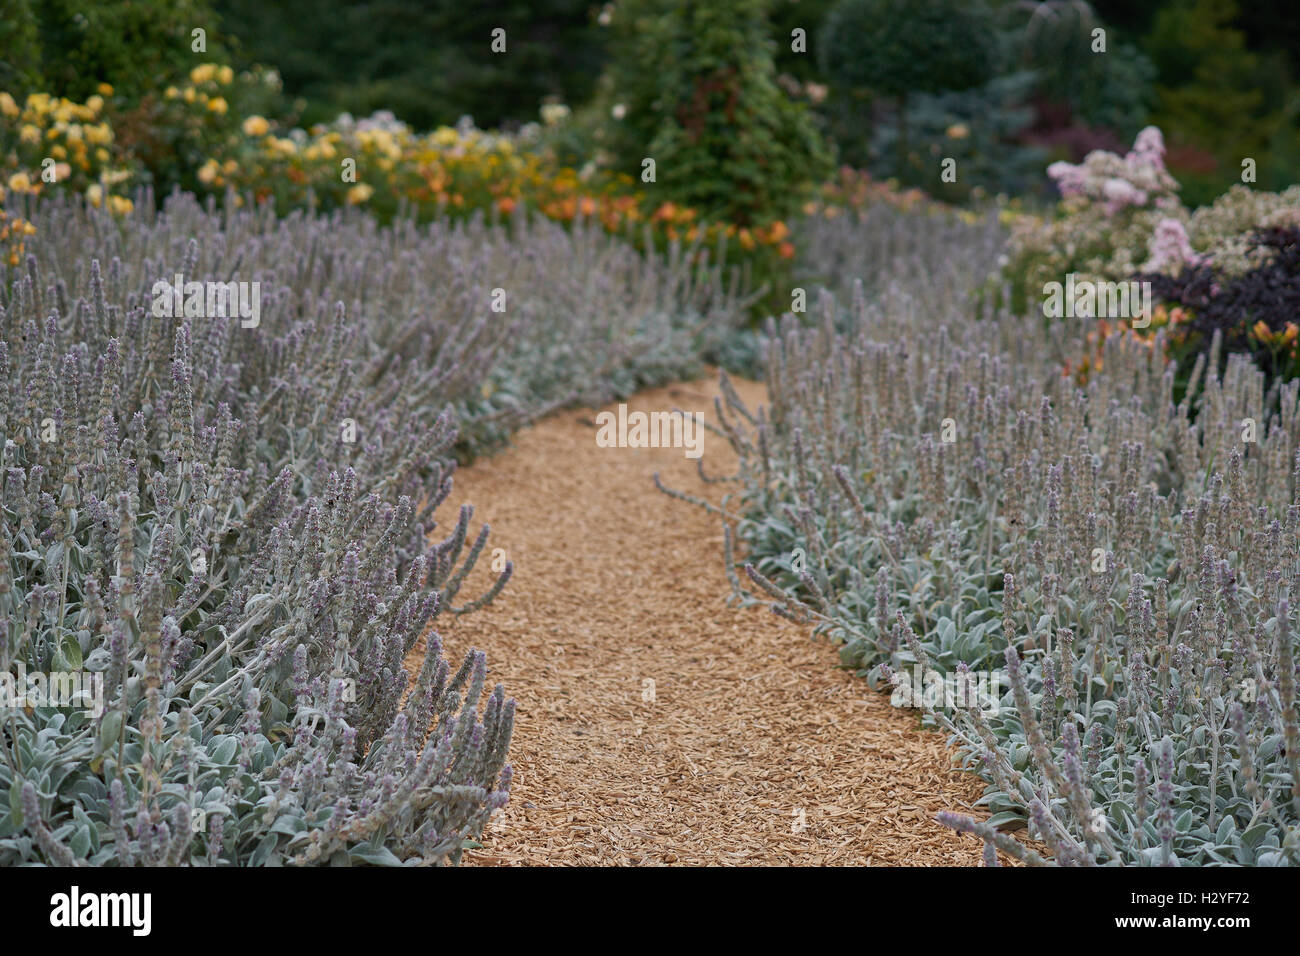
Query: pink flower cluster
column 1170, row 248
column 1118, row 182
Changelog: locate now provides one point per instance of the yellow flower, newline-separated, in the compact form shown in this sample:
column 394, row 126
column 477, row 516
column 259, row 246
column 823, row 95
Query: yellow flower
column 29, row 133
column 20, row 183
column 360, row 193
column 229, row 166
column 95, row 193
column 7, row 105
column 189, row 95
column 203, row 73
column 95, row 104
column 101, row 154
column 1260, row 328
column 120, row 205
column 958, row 131
column 255, row 126
column 105, row 89
column 225, row 76
column 171, row 93
column 445, row 136
column 99, row 135
column 208, row 172
column 218, row 105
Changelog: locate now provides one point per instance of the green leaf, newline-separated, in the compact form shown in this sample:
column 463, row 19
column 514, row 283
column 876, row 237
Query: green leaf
column 223, row 752
column 374, row 855
column 289, row 825
column 70, row 652
column 80, row 843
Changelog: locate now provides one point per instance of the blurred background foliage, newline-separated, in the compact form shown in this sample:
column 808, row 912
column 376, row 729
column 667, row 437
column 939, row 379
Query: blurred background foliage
column 891, row 86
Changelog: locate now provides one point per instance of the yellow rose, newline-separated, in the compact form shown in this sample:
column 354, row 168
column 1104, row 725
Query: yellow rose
column 190, row 95
column 105, row 89
column 360, row 193
column 208, row 172
column 203, row 73
column 120, row 205
column 95, row 193
column 7, row 105
column 225, row 76
column 29, row 133
column 218, row 105
column 255, row 126
column 95, row 104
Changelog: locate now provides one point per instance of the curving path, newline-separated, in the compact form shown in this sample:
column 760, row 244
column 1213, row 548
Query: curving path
column 755, row 748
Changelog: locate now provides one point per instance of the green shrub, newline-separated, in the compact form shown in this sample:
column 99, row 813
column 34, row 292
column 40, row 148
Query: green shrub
column 138, row 46
column 978, row 128
column 1111, row 89
column 899, row 47
column 20, row 49
column 695, row 87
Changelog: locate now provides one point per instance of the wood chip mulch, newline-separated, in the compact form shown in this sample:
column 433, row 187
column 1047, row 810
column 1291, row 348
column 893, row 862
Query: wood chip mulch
column 753, row 749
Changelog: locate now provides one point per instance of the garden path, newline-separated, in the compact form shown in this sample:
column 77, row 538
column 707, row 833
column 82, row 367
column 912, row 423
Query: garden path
column 755, row 748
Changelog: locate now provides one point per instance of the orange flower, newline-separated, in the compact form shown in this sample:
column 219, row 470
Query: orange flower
column 787, row 250
column 746, row 238
column 506, row 205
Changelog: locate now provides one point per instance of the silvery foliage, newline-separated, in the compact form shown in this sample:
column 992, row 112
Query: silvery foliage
column 199, row 531
column 1129, row 563
column 932, row 256
column 587, row 317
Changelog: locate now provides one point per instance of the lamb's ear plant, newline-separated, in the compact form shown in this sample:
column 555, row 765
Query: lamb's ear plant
column 234, row 525
column 1123, row 564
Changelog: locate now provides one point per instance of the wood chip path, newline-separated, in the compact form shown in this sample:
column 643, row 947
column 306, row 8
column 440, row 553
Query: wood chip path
column 755, row 750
